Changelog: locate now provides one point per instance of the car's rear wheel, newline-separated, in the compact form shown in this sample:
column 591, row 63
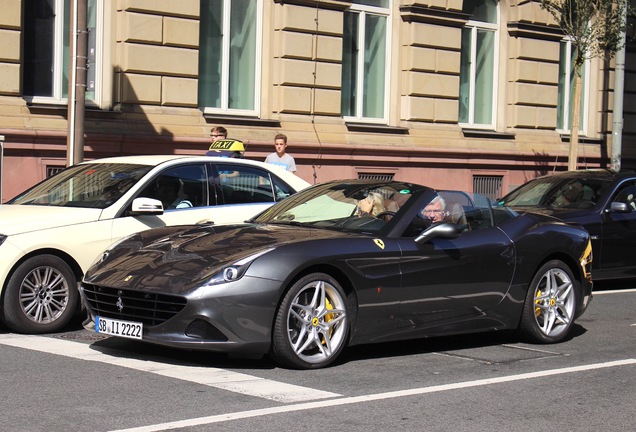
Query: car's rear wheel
column 41, row 295
column 312, row 323
column 550, row 305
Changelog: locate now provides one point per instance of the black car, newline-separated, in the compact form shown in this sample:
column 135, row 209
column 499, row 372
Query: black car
column 603, row 201
column 314, row 273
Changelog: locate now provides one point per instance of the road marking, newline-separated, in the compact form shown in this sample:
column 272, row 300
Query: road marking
column 213, row 377
column 370, row 398
column 617, row 291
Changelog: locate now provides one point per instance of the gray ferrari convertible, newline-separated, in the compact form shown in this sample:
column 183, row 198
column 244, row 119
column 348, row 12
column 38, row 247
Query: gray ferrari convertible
column 344, row 263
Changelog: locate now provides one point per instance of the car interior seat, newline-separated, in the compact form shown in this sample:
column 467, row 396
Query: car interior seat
column 457, row 216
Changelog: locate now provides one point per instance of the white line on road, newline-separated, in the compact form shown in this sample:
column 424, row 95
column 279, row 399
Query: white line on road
column 369, row 398
column 617, row 291
column 213, row 377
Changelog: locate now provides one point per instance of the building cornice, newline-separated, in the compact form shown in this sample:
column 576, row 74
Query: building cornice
column 534, row 31
column 318, row 4
column 423, row 14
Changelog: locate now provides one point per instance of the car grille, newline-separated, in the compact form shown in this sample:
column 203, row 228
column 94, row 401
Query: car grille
column 147, row 308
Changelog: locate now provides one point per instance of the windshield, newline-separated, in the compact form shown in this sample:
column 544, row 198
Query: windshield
column 557, row 192
column 354, row 206
column 87, row 185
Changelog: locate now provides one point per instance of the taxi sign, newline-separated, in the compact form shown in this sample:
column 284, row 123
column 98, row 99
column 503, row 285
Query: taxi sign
column 228, row 145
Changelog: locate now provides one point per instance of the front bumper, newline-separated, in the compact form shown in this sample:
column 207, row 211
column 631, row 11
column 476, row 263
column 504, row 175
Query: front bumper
column 235, row 317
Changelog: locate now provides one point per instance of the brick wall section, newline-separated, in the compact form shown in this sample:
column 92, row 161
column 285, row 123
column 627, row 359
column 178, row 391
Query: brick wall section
column 307, row 56
column 10, row 33
column 533, row 68
column 157, row 56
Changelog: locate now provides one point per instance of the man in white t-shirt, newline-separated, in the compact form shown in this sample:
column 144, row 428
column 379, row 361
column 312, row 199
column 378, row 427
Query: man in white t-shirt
column 280, row 157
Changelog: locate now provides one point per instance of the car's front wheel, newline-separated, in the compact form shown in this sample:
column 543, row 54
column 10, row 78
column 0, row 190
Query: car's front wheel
column 312, row 323
column 550, row 306
column 41, row 295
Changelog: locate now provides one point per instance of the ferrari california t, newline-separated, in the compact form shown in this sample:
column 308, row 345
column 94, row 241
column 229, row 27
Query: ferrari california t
column 344, row 263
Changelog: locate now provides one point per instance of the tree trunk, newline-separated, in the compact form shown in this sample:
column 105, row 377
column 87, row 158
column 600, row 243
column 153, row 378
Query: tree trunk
column 574, row 128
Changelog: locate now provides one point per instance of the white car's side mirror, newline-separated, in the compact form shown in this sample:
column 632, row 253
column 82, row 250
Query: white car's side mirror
column 146, row 206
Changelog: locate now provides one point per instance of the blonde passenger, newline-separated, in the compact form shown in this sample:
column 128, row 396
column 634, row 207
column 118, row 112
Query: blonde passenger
column 372, row 205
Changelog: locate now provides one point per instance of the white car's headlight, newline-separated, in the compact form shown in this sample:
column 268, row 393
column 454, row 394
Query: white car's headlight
column 2, row 238
column 236, row 270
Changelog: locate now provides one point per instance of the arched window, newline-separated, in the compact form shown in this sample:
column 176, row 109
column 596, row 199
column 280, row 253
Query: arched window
column 478, row 70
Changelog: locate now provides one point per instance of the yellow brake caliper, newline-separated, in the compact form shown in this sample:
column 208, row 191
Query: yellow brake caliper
column 537, row 311
column 328, row 317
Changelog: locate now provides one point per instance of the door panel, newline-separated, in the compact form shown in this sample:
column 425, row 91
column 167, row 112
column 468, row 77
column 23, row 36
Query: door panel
column 448, row 278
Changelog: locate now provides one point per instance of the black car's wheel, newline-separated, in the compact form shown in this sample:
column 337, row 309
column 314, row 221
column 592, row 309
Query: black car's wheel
column 41, row 295
column 550, row 305
column 312, row 324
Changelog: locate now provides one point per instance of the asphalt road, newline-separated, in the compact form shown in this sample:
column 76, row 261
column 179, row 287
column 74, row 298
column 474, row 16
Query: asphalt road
column 79, row 381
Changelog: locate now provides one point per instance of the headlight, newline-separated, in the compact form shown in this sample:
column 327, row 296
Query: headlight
column 2, row 238
column 236, row 270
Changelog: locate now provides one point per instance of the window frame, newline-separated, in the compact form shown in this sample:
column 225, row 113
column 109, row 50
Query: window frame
column 364, row 10
column 225, row 65
column 564, row 110
column 59, row 62
column 474, row 27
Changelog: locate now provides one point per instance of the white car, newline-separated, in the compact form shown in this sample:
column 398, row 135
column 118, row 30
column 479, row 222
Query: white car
column 51, row 233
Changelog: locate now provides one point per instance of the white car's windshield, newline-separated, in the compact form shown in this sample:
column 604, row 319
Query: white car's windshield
column 87, row 185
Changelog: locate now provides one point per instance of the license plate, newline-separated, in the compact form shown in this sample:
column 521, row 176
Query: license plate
column 127, row 329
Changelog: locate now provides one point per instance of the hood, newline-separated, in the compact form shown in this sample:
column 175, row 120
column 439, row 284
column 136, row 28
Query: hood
column 19, row 219
column 166, row 257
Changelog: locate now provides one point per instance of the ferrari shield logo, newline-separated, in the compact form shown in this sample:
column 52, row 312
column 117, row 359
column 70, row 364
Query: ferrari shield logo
column 129, row 277
column 379, row 243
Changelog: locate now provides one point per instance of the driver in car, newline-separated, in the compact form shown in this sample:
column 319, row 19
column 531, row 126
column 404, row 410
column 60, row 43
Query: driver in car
column 435, row 210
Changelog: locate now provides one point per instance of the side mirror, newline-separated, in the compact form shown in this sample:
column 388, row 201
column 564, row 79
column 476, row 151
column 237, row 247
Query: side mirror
column 146, row 206
column 619, row 207
column 442, row 230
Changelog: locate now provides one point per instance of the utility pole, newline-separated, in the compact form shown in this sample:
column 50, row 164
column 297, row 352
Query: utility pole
column 617, row 112
column 77, row 86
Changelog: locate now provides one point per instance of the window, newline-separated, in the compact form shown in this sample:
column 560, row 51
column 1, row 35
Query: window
column 478, row 71
column 180, row 187
column 244, row 184
column 229, row 56
column 364, row 61
column 565, row 105
column 46, row 50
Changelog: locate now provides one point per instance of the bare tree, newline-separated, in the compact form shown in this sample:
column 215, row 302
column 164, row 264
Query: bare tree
column 595, row 29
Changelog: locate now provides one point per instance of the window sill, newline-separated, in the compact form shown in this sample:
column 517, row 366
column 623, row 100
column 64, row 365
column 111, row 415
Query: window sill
column 565, row 137
column 242, row 121
column 377, row 128
column 484, row 133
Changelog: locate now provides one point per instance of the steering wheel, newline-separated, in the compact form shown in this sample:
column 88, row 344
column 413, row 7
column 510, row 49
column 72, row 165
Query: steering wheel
column 384, row 213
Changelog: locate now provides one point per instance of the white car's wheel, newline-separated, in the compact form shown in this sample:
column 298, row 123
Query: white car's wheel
column 41, row 295
column 312, row 323
column 550, row 305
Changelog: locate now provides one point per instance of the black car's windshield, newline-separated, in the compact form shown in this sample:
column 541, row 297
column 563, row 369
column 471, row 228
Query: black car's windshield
column 353, row 206
column 557, row 192
column 95, row 185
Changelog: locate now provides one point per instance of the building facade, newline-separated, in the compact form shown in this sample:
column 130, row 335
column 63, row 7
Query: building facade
column 462, row 94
